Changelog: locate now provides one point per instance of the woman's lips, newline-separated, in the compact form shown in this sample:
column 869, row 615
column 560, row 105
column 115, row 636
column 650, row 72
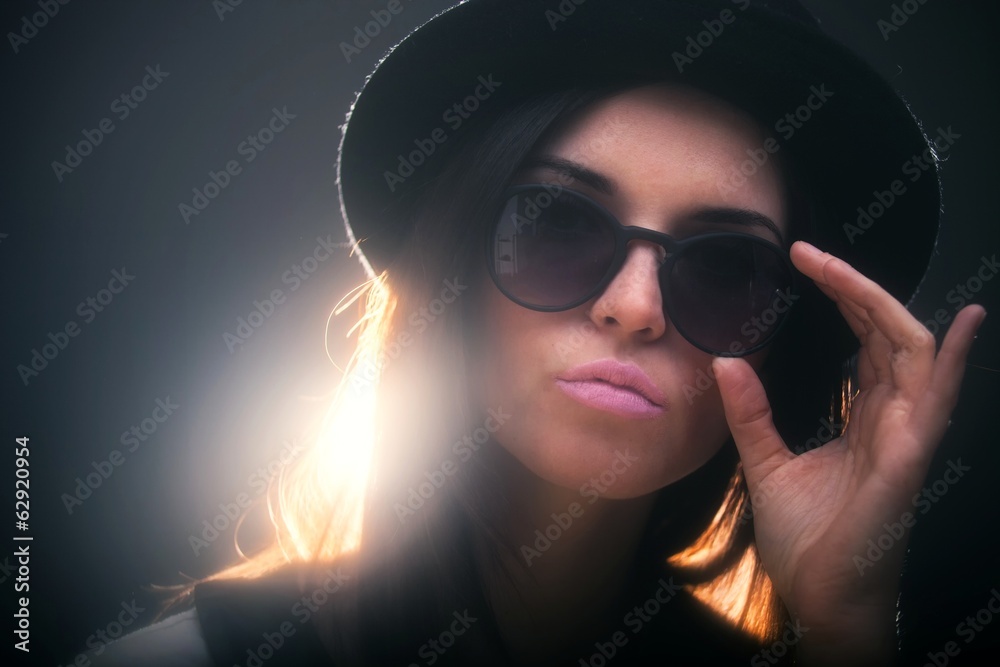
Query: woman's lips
column 616, row 387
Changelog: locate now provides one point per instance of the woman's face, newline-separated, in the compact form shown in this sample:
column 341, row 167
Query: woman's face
column 655, row 157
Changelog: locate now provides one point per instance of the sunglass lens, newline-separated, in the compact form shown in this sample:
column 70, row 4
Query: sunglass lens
column 729, row 294
column 550, row 249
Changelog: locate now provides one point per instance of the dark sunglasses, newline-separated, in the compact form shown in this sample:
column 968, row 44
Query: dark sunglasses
column 551, row 249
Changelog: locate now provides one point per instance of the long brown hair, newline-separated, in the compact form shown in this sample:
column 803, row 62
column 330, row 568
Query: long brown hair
column 404, row 402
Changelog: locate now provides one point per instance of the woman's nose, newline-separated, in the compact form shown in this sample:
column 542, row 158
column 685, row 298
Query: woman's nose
column 632, row 303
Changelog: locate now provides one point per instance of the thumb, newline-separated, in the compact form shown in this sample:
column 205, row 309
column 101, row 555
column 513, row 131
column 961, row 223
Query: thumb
column 749, row 415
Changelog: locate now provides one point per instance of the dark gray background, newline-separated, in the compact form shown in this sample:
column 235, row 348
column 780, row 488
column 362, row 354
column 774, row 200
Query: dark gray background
column 163, row 335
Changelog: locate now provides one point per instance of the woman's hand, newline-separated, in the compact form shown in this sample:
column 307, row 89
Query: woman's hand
column 817, row 512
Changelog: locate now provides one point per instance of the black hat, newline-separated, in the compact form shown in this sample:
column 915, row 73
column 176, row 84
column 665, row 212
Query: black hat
column 870, row 170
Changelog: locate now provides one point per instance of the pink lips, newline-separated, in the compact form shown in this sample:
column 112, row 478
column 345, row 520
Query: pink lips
column 616, row 387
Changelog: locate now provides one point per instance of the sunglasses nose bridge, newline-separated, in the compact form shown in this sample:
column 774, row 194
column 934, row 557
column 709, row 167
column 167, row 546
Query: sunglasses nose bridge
column 631, row 295
column 636, row 274
column 633, row 239
column 662, row 243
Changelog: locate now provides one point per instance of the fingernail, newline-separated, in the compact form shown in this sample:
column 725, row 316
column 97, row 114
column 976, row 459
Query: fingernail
column 810, row 248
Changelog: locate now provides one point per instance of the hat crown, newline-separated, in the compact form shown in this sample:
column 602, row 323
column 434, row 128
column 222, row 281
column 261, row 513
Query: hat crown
column 845, row 129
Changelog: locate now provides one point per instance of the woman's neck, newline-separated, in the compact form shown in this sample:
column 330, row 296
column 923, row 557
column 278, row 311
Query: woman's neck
column 569, row 558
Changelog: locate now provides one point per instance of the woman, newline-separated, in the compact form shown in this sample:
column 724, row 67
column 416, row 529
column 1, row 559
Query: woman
column 609, row 400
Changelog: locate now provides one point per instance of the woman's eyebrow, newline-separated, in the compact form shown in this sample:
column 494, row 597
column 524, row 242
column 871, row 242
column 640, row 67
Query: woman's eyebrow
column 601, row 183
column 736, row 216
column 573, row 170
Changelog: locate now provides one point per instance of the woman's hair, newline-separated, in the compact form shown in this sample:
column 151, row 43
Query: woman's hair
column 405, row 406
